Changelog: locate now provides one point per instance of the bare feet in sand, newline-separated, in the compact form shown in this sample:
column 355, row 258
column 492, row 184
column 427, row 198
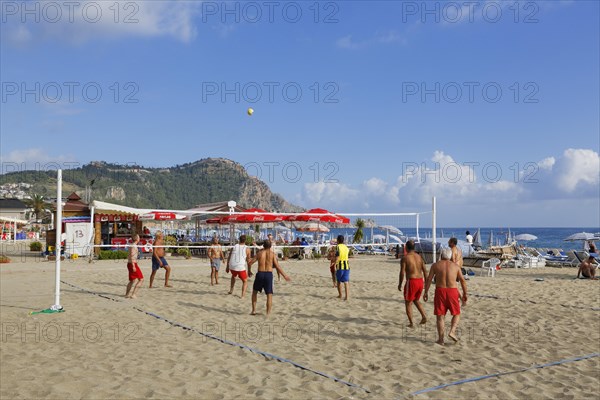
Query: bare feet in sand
column 411, row 326
column 133, row 296
column 440, row 342
column 423, row 321
column 453, row 337
column 168, row 285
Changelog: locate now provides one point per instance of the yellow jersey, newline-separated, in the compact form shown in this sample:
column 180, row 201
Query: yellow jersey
column 342, row 252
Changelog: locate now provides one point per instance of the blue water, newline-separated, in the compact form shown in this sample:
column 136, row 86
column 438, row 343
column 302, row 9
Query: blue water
column 547, row 237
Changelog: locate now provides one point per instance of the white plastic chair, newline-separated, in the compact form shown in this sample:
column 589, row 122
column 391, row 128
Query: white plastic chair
column 490, row 267
column 307, row 252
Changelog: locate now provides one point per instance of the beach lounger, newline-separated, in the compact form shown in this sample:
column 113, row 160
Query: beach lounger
column 584, row 255
column 551, row 258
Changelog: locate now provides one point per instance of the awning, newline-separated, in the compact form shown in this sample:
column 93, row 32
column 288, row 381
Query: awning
column 102, row 207
column 13, row 220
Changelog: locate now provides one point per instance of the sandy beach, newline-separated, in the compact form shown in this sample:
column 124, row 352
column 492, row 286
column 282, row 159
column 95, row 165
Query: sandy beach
column 105, row 346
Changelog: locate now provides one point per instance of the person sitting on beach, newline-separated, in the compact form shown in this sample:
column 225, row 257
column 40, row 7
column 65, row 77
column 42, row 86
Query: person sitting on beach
column 469, row 237
column 238, row 259
column 413, row 267
column 135, row 273
column 587, row 269
column 158, row 259
column 215, row 255
column 264, row 276
column 342, row 266
column 446, row 273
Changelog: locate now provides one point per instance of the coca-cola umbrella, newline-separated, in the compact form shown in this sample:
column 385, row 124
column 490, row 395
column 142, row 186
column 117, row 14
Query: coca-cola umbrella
column 319, row 215
column 250, row 216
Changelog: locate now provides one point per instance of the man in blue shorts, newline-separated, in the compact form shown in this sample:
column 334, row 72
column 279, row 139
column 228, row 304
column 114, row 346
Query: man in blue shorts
column 215, row 254
column 264, row 277
column 342, row 267
column 158, row 259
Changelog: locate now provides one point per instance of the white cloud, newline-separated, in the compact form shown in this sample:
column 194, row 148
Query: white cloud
column 547, row 163
column 88, row 20
column 346, row 42
column 335, row 195
column 35, row 159
column 20, row 36
column 577, row 168
column 391, row 36
column 574, row 175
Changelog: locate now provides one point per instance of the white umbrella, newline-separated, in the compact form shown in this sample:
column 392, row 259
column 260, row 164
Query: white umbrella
column 525, row 237
column 580, row 236
column 395, row 239
column 378, row 237
column 391, row 229
column 312, row 227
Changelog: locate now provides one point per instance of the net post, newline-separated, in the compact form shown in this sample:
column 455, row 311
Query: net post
column 434, row 227
column 418, row 237
column 58, row 246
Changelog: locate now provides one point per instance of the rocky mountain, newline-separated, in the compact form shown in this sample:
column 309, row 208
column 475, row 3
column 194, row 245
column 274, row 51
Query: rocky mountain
column 180, row 187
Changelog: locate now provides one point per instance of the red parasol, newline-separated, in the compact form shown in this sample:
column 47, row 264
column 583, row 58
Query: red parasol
column 319, row 215
column 258, row 216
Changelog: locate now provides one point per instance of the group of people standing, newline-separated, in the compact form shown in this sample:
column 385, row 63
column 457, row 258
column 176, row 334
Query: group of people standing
column 136, row 277
column 446, row 273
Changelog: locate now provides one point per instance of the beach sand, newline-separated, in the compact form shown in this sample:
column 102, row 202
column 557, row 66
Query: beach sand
column 109, row 347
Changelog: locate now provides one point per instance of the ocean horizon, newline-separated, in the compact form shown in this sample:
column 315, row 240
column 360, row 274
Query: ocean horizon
column 546, row 237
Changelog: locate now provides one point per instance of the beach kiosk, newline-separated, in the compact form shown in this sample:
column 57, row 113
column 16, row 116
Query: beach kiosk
column 114, row 224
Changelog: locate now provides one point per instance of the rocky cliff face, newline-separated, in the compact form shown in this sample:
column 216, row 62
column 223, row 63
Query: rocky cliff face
column 116, row 193
column 255, row 193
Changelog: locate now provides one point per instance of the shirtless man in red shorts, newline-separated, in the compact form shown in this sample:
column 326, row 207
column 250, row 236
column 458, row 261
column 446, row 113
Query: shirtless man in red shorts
column 446, row 297
column 135, row 273
column 413, row 267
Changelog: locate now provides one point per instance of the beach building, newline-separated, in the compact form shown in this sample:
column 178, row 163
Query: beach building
column 12, row 218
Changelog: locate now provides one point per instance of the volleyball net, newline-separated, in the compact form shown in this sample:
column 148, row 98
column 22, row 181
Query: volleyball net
column 192, row 234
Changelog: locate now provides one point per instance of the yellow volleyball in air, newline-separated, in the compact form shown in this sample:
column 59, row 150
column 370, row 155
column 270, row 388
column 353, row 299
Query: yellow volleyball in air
column 250, row 111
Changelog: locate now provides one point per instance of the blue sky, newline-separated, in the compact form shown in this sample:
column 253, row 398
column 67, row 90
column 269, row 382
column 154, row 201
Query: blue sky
column 368, row 128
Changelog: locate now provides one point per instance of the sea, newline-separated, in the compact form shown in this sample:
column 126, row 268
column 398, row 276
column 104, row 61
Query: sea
column 546, row 237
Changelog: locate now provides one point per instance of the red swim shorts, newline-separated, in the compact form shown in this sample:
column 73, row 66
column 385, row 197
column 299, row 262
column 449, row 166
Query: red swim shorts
column 242, row 274
column 446, row 299
column 134, row 273
column 413, row 289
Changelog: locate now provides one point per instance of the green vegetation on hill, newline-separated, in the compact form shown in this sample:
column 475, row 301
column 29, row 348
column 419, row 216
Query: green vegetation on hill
column 180, row 187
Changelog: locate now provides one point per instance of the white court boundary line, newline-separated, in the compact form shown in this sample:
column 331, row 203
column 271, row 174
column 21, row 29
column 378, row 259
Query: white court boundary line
column 498, row 374
column 228, row 342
